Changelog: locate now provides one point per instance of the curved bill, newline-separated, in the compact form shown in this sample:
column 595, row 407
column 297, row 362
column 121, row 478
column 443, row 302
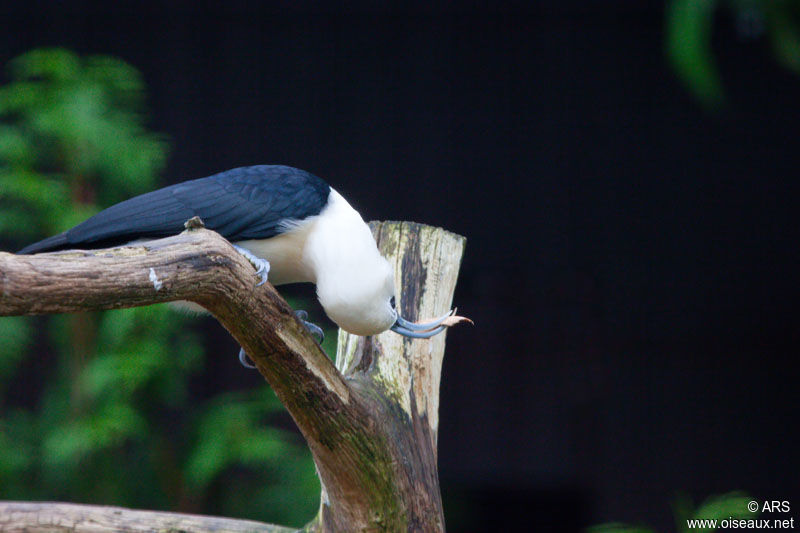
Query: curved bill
column 417, row 334
column 419, row 331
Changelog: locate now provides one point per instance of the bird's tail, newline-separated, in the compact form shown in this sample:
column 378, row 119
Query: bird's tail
column 56, row 242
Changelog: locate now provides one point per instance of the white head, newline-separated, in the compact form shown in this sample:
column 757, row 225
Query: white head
column 355, row 284
column 360, row 298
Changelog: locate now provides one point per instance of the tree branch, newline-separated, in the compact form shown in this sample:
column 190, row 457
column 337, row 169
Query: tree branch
column 371, row 428
column 46, row 517
column 200, row 266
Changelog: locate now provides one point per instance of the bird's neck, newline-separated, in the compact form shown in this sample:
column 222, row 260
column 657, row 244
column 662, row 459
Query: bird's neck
column 339, row 243
column 348, row 267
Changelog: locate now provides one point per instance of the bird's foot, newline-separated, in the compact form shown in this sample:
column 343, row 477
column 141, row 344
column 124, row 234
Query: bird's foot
column 261, row 265
column 312, row 328
column 244, row 359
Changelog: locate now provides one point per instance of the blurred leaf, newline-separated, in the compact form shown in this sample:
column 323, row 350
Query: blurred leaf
column 688, row 35
column 784, row 32
column 15, row 148
column 21, row 224
column 123, row 81
column 682, row 510
column 730, row 505
column 281, row 480
column 74, row 440
column 16, row 334
column 48, row 63
column 232, row 431
column 287, row 494
column 688, row 30
column 38, row 191
column 17, row 433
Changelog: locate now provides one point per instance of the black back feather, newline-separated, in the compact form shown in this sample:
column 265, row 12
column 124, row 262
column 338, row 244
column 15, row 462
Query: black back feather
column 243, row 203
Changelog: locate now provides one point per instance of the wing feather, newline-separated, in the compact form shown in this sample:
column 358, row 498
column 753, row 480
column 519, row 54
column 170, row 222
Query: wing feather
column 243, row 203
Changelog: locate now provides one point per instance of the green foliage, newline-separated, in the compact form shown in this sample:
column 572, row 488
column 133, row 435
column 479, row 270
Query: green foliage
column 115, row 422
column 232, row 433
column 72, row 137
column 16, row 334
column 689, row 25
column 730, row 505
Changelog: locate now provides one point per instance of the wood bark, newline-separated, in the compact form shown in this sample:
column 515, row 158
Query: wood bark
column 45, row 517
column 370, row 421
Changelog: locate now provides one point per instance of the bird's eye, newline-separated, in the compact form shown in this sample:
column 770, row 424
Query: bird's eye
column 392, row 303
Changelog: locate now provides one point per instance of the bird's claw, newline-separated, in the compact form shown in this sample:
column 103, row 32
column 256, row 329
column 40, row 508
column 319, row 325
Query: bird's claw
column 261, row 265
column 312, row 328
column 420, row 331
column 244, row 359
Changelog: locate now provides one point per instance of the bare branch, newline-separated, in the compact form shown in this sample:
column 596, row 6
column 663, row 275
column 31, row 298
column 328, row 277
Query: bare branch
column 47, row 517
column 200, row 266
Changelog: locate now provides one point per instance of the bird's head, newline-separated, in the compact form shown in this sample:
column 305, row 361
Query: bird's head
column 364, row 303
column 359, row 299
column 355, row 283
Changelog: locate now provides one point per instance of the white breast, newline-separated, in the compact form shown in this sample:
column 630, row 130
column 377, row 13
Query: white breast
column 285, row 254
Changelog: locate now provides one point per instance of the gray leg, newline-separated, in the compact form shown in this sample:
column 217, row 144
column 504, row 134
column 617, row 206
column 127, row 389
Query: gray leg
column 310, row 326
column 244, row 359
column 261, row 265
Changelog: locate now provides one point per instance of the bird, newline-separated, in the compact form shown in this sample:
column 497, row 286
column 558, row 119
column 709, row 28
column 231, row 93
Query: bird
column 288, row 223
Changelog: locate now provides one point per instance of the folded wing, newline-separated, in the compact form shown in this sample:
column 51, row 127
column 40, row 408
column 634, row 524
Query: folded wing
column 244, row 203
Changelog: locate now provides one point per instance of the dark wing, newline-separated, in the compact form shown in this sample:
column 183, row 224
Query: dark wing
column 243, row 203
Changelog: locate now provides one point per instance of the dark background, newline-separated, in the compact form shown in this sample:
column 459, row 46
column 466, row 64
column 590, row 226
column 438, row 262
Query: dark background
column 631, row 260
